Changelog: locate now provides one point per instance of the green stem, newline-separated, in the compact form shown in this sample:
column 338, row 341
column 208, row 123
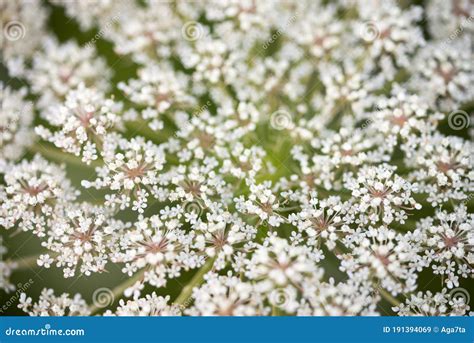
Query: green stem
column 25, row 262
column 387, row 296
column 276, row 311
column 141, row 128
column 197, row 280
column 59, row 156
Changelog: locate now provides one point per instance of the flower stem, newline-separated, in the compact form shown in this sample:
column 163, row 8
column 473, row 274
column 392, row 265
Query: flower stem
column 25, row 262
column 276, row 311
column 197, row 280
column 59, row 156
column 387, row 296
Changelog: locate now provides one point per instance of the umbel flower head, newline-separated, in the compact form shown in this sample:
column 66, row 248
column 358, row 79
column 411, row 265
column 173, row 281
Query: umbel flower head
column 51, row 305
column 82, row 237
column 16, row 116
column 82, row 122
column 151, row 305
column 33, row 192
column 238, row 157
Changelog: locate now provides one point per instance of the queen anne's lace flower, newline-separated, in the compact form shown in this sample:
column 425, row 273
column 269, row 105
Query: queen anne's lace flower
column 52, row 305
column 16, row 117
column 277, row 263
column 89, row 13
column 350, row 298
column 222, row 236
column 446, row 242
column 35, row 190
column 351, row 147
column 318, row 35
column 262, row 203
column 391, row 35
column 6, row 269
column 404, row 115
column 441, row 74
column 59, row 68
column 346, row 88
column 147, row 34
column 82, row 238
column 226, row 295
column 131, row 169
column 382, row 195
column 244, row 157
column 449, row 19
column 206, row 59
column 443, row 168
column 82, row 122
column 429, row 304
column 382, row 255
column 321, row 222
column 151, row 305
column 160, row 248
column 159, row 89
column 23, row 28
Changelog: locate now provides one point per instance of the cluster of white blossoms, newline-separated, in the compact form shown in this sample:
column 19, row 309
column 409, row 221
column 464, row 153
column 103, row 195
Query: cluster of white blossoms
column 16, row 117
column 52, row 305
column 81, row 122
column 240, row 157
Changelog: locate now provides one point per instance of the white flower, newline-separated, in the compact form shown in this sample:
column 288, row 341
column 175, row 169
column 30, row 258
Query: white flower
column 6, row 270
column 226, row 295
column 429, row 304
column 45, row 260
column 261, row 202
column 277, row 263
column 446, row 243
column 381, row 195
column 244, row 157
column 404, row 115
column 222, row 237
column 390, row 33
column 162, row 248
column 82, row 237
column 151, row 305
column 131, row 170
column 443, row 168
column 59, row 68
column 317, row 34
column 383, row 256
column 441, row 72
column 34, row 191
column 82, row 122
column 23, row 28
column 147, row 34
column 321, row 222
column 52, row 305
column 448, row 20
column 350, row 298
column 159, row 89
column 16, row 117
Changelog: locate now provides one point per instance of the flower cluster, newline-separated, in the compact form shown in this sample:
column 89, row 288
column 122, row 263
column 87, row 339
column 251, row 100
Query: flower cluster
column 16, row 117
column 52, row 305
column 241, row 157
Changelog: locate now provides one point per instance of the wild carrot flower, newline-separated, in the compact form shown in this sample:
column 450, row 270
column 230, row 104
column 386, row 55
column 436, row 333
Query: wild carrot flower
column 240, row 157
